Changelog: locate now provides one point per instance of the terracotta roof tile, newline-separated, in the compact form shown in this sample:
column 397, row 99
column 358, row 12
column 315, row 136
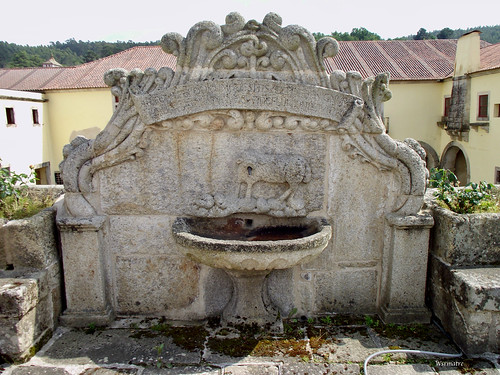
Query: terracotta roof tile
column 490, row 57
column 89, row 75
column 403, row 59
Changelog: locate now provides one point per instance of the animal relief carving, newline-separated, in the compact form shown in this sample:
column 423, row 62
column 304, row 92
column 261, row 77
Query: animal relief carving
column 284, row 175
column 275, row 169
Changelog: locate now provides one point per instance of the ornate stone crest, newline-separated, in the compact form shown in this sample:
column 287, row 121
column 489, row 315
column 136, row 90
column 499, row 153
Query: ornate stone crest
column 246, row 76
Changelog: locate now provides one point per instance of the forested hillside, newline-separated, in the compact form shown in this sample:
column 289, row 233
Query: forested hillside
column 68, row 53
column 490, row 34
column 72, row 52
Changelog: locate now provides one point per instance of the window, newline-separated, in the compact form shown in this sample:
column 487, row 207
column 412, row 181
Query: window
column 497, row 175
column 447, row 105
column 482, row 113
column 58, row 178
column 9, row 112
column 497, row 110
column 34, row 115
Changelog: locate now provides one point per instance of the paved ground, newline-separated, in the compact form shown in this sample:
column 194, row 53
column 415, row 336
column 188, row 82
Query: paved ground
column 329, row 345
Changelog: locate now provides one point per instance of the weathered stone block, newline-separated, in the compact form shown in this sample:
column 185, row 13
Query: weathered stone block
column 30, row 242
column 478, row 288
column 139, row 234
column 217, row 289
column 27, row 312
column 350, row 290
column 466, row 302
column 155, row 284
column 17, row 296
column 466, row 240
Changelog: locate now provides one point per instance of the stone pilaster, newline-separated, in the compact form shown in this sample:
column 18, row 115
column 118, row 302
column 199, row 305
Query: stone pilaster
column 84, row 273
column 405, row 269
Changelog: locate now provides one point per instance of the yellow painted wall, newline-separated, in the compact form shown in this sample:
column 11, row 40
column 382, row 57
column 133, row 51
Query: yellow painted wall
column 483, row 148
column 74, row 112
column 414, row 110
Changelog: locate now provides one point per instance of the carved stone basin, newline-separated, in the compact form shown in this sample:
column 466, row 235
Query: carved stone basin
column 248, row 248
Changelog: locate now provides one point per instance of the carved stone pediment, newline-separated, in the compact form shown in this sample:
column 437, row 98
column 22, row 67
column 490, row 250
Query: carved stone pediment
column 246, row 77
column 250, row 49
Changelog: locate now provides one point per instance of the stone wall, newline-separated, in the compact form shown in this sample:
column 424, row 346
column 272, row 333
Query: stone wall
column 31, row 296
column 463, row 287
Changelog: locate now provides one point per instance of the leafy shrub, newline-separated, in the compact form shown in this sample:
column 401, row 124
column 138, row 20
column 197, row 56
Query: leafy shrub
column 15, row 200
column 472, row 198
column 11, row 183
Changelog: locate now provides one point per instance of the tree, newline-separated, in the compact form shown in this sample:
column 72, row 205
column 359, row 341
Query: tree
column 423, row 34
column 363, row 34
column 22, row 59
column 356, row 34
column 90, row 56
column 445, row 33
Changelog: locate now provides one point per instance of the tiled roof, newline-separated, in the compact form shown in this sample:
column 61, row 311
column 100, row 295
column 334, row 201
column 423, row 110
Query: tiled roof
column 490, row 57
column 89, row 75
column 405, row 60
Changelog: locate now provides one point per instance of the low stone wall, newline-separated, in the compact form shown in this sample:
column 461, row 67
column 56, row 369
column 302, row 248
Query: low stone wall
column 30, row 284
column 463, row 285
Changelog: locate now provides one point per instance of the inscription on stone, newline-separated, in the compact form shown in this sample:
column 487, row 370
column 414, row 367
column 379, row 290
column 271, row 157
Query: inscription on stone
column 243, row 94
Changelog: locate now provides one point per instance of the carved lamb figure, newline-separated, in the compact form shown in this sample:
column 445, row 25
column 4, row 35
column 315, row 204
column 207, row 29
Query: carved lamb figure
column 274, row 169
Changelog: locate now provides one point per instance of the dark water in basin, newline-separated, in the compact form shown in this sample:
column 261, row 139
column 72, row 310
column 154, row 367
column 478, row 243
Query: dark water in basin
column 243, row 230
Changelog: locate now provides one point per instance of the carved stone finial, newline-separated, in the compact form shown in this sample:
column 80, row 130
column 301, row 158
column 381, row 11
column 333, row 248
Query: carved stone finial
column 250, row 50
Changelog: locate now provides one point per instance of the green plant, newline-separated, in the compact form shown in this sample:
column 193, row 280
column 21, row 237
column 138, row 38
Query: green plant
column 372, row 322
column 11, row 183
column 326, row 320
column 90, row 330
column 474, row 197
column 159, row 351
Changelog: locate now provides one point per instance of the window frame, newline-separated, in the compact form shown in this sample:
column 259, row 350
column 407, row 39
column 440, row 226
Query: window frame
column 480, row 107
column 10, row 116
column 447, row 105
column 35, row 116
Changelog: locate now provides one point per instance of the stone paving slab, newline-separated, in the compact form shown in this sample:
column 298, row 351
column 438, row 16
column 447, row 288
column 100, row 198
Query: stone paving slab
column 312, row 349
column 78, row 347
column 417, row 369
column 320, row 369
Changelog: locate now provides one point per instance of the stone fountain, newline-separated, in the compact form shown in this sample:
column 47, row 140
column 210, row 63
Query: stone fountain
column 249, row 249
column 250, row 138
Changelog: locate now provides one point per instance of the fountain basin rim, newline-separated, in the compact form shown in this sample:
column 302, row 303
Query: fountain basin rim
column 184, row 237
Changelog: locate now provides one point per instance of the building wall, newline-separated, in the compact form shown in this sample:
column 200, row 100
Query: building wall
column 414, row 110
column 483, row 146
column 71, row 113
column 21, row 143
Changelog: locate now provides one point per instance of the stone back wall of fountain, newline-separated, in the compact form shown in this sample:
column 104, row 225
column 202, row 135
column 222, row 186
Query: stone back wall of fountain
column 250, row 123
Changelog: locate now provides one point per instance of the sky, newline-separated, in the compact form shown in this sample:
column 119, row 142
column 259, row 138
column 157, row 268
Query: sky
column 35, row 22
